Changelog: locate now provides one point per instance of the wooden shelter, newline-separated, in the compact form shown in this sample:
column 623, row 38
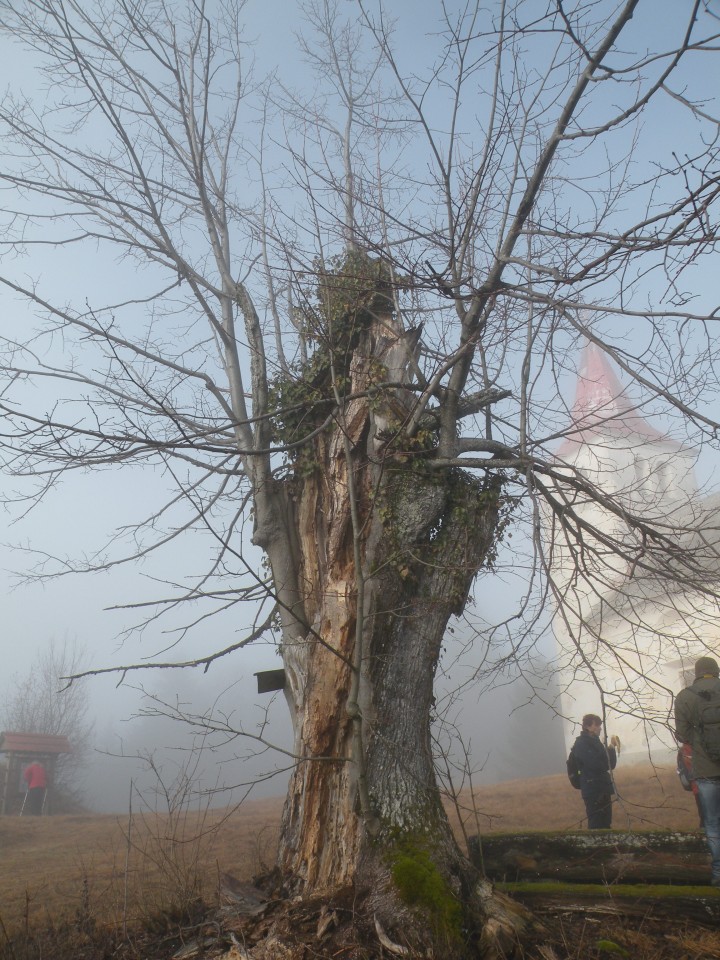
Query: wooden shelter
column 19, row 750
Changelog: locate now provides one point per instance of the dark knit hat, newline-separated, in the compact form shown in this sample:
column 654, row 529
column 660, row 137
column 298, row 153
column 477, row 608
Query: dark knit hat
column 706, row 665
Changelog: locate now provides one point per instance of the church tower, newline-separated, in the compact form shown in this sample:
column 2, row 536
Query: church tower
column 634, row 635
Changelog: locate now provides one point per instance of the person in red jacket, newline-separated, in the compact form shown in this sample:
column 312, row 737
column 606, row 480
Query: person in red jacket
column 36, row 780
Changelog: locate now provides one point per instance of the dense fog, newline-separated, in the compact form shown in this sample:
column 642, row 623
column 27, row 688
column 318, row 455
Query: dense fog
column 163, row 760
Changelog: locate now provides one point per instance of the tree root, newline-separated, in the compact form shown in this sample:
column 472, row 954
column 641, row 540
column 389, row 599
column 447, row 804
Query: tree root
column 395, row 948
column 506, row 923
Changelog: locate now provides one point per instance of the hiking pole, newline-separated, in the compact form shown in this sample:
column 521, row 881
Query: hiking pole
column 24, row 801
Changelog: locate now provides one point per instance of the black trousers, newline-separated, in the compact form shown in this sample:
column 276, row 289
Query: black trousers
column 599, row 811
column 35, row 799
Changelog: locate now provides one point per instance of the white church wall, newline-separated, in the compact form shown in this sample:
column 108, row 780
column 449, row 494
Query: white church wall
column 633, row 667
column 635, row 637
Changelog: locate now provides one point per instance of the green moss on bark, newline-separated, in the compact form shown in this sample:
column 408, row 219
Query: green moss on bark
column 420, row 884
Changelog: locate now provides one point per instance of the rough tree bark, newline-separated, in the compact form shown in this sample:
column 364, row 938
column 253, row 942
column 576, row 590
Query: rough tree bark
column 388, row 551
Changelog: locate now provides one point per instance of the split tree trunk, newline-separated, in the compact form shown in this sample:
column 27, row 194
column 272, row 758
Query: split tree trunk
column 365, row 786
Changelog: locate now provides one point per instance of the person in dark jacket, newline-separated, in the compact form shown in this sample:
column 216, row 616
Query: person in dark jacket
column 689, row 729
column 594, row 762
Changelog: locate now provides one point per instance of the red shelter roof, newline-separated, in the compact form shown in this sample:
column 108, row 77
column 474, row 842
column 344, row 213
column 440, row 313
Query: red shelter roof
column 40, row 743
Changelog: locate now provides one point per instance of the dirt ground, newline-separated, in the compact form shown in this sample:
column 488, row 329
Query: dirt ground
column 95, row 886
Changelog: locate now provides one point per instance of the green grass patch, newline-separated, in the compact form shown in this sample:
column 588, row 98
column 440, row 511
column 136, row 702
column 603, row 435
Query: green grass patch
column 637, row 891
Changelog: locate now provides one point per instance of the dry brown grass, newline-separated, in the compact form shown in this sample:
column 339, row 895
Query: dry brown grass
column 648, row 799
column 76, row 865
column 70, row 866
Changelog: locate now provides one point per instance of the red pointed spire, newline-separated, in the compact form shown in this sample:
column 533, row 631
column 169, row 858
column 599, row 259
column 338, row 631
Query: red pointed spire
column 602, row 405
column 599, row 393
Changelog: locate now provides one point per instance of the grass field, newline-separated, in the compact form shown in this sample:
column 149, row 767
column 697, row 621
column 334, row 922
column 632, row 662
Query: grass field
column 89, row 866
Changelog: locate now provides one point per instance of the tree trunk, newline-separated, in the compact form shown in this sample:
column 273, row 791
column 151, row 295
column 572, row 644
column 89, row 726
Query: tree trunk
column 363, row 809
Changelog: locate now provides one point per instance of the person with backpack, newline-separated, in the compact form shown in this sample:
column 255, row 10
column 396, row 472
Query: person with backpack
column 697, row 722
column 589, row 766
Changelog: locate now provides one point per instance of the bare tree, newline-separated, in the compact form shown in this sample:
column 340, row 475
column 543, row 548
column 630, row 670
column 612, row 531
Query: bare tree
column 42, row 702
column 352, row 319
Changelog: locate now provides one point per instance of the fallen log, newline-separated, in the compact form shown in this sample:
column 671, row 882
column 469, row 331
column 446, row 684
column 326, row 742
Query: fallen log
column 598, row 856
column 699, row 904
